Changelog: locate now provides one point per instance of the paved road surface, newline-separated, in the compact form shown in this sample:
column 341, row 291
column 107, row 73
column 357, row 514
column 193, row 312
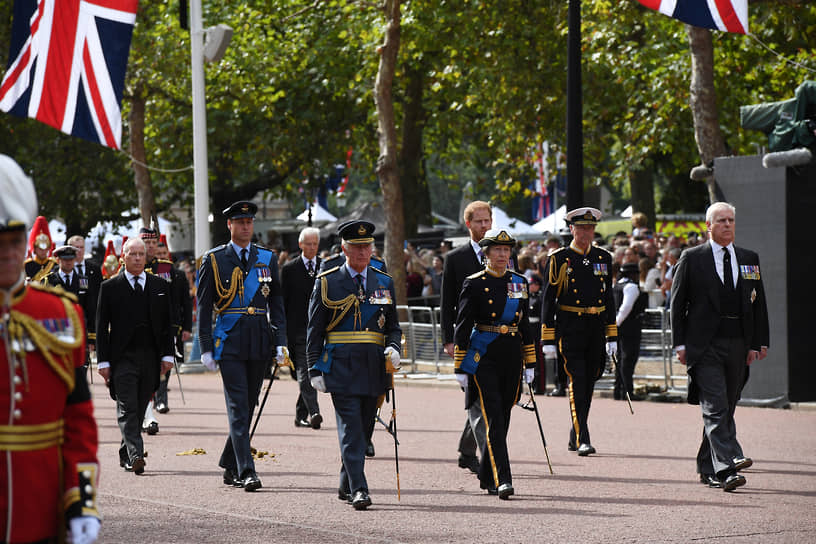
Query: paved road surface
column 640, row 487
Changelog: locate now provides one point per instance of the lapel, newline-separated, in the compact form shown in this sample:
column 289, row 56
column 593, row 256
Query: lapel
column 372, row 282
column 710, row 271
column 253, row 256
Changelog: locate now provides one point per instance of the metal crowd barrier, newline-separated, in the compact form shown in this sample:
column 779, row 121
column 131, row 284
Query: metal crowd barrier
column 423, row 350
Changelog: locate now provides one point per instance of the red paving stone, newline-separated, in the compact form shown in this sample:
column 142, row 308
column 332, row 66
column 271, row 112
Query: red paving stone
column 640, row 487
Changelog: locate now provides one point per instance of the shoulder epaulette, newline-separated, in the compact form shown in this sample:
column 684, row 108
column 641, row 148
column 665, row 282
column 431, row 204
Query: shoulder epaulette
column 329, row 271
column 477, row 274
column 216, row 249
column 165, row 261
column 607, row 252
column 518, row 274
column 54, row 290
column 556, row 250
column 30, row 259
column 377, row 270
column 377, row 258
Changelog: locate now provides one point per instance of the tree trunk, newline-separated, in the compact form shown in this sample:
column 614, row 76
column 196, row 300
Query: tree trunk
column 141, row 175
column 417, row 201
column 642, row 187
column 703, row 102
column 387, row 161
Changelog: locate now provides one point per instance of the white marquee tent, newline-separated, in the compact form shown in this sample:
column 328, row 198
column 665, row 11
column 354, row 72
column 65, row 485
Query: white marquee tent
column 553, row 222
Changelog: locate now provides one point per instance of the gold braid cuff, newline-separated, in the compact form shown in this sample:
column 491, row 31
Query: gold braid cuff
column 528, row 354
column 611, row 330
column 342, row 306
column 547, row 333
column 56, row 352
column 560, row 279
column 458, row 356
column 226, row 296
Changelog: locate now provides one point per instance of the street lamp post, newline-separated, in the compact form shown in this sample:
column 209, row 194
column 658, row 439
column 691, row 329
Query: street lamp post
column 201, row 197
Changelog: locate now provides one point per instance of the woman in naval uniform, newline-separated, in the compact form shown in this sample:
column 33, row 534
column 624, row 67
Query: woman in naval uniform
column 494, row 341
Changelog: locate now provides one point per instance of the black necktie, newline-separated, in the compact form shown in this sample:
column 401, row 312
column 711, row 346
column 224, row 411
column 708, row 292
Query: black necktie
column 137, row 287
column 243, row 258
column 66, row 279
column 79, row 270
column 728, row 274
column 481, row 256
column 311, row 268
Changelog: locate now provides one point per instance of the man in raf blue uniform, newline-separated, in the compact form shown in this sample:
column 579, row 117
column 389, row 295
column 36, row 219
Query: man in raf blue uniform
column 578, row 316
column 239, row 282
column 352, row 343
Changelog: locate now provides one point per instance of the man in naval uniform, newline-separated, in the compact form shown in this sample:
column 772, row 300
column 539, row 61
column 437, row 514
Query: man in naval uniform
column 352, row 343
column 578, row 317
column 239, row 281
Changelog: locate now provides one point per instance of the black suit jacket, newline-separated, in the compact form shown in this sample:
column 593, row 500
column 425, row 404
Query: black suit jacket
column 297, row 287
column 459, row 264
column 114, row 320
column 82, row 291
column 91, row 271
column 695, row 301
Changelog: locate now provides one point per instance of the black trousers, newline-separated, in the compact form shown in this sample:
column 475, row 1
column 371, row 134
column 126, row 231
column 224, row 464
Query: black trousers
column 498, row 386
column 133, row 380
column 354, row 414
column 719, row 376
column 306, row 404
column 629, row 344
column 242, row 382
column 582, row 345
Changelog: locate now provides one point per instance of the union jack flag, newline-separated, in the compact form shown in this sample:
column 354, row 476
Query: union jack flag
column 67, row 65
column 727, row 15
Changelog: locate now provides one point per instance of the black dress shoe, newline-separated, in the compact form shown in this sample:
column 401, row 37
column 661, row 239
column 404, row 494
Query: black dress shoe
column 344, row 495
column 557, row 392
column 302, row 423
column 317, row 419
column 571, row 447
column 470, row 462
column 504, row 491
column 152, row 428
column 733, row 481
column 370, row 450
column 710, row 480
column 231, row 478
column 741, row 463
column 137, row 466
column 585, row 449
column 250, row 481
column 361, row 500
column 162, row 408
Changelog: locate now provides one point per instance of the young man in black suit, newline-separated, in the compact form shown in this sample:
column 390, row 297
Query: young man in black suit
column 297, row 280
column 134, row 346
column 459, row 264
column 719, row 327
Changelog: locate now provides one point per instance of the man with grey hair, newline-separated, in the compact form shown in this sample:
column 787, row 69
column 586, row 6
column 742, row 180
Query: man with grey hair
column 134, row 344
column 719, row 327
column 297, row 280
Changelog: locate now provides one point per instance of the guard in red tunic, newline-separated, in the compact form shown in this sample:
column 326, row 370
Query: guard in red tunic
column 48, row 435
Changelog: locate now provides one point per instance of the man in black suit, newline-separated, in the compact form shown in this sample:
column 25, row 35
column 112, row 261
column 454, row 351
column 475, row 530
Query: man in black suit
column 67, row 277
column 93, row 273
column 240, row 283
column 719, row 327
column 297, row 280
column 459, row 264
column 134, row 345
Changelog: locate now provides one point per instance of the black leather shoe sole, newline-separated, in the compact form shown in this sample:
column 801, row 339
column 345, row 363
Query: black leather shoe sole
column 302, row 423
column 317, row 419
column 741, row 463
column 252, row 483
column 734, row 481
column 585, row 449
column 710, row 480
column 504, row 491
column 361, row 501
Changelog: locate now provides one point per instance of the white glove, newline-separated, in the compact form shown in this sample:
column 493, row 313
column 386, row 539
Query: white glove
column 393, row 355
column 208, row 361
column 529, row 375
column 462, row 379
column 83, row 530
column 283, row 354
column 318, row 383
column 549, row 351
column 611, row 348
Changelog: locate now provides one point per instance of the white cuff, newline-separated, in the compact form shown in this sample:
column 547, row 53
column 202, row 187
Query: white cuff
column 102, row 364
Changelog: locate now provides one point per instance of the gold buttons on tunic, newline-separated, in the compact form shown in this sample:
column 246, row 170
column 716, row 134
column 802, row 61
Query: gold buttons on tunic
column 487, row 289
column 490, row 301
column 600, row 301
column 493, row 314
column 577, row 301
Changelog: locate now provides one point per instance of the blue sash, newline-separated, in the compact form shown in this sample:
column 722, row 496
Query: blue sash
column 226, row 321
column 479, row 340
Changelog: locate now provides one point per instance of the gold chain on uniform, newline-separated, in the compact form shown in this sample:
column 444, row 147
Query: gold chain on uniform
column 226, row 296
column 342, row 306
column 560, row 279
column 55, row 351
